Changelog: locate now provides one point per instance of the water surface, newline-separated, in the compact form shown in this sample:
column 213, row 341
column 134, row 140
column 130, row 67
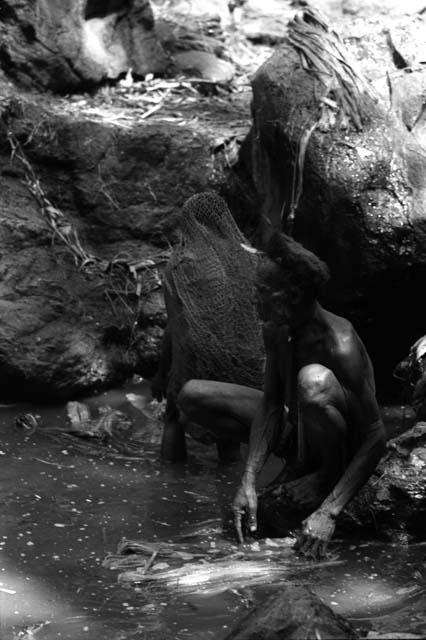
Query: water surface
column 63, row 511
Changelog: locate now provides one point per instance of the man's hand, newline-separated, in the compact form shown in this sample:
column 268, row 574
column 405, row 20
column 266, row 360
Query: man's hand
column 317, row 531
column 245, row 501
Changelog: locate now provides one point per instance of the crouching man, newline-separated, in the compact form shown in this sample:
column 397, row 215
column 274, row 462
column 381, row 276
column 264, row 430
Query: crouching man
column 318, row 407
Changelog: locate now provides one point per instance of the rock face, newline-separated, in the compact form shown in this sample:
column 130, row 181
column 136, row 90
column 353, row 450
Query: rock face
column 412, row 372
column 294, row 612
column 81, row 305
column 71, row 46
column 338, row 152
column 203, row 64
column 396, row 493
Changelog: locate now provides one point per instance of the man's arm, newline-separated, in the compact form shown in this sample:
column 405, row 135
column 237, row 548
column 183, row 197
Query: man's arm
column 358, row 472
column 267, row 423
column 265, row 428
column 320, row 525
column 357, row 375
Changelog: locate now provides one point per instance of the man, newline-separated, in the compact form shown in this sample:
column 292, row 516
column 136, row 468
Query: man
column 318, row 405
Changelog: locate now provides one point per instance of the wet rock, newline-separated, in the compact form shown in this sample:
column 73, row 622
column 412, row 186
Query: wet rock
column 353, row 192
column 266, row 30
column 412, row 373
column 203, row 64
column 294, row 612
column 180, row 35
column 70, row 326
column 71, row 46
column 373, row 635
column 397, row 490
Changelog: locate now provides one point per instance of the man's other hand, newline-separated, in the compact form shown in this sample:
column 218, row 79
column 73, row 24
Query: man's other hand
column 316, row 533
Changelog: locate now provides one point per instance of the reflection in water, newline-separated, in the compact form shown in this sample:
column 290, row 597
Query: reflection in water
column 63, row 512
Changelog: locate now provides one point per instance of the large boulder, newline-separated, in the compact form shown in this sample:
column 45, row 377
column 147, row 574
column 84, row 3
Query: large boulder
column 411, row 371
column 337, row 153
column 292, row 613
column 71, row 46
column 89, row 204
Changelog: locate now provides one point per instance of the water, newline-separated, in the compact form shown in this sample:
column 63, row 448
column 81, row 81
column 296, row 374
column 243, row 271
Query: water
column 64, row 511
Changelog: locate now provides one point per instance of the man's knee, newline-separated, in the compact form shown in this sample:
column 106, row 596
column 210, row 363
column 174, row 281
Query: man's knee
column 317, row 387
column 191, row 397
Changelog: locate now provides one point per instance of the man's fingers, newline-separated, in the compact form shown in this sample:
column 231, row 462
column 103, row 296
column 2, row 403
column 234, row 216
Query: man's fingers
column 311, row 547
column 305, row 544
column 238, row 526
column 300, row 542
column 304, row 549
column 252, row 521
column 313, row 552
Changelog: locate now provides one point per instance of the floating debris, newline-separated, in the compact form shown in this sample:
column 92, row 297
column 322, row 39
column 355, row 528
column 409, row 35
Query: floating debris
column 28, row 421
column 232, row 567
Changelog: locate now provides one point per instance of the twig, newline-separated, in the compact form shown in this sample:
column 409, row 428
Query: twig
column 151, row 561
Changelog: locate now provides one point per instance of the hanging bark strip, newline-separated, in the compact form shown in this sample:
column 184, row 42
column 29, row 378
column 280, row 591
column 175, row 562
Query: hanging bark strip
column 323, row 54
column 298, row 171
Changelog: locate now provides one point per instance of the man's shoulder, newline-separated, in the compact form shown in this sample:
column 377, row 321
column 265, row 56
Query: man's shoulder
column 339, row 324
column 343, row 335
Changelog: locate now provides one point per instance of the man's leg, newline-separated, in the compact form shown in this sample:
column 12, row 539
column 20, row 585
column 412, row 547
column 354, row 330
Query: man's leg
column 173, row 445
column 224, row 408
column 323, row 439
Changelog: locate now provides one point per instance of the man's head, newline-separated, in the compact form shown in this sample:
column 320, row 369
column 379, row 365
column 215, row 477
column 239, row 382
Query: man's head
column 289, row 280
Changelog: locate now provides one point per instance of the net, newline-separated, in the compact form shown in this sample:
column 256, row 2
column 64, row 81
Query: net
column 209, row 287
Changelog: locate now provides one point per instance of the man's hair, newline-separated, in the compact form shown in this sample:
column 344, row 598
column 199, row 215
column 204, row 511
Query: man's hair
column 298, row 264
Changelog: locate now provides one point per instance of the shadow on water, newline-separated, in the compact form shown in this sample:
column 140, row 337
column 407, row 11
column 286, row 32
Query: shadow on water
column 64, row 511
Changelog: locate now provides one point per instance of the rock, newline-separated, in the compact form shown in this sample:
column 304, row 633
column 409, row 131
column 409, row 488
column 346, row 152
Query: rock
column 203, row 64
column 373, row 635
column 397, row 490
column 69, row 47
column 194, row 36
column 269, row 31
column 357, row 190
column 294, row 612
column 412, row 372
column 69, row 328
column 200, row 11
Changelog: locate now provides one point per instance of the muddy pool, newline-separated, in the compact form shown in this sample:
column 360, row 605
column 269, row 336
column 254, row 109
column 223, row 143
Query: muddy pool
column 64, row 510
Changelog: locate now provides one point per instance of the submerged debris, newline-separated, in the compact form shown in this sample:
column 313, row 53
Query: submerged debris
column 202, row 568
column 106, row 431
column 28, row 421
